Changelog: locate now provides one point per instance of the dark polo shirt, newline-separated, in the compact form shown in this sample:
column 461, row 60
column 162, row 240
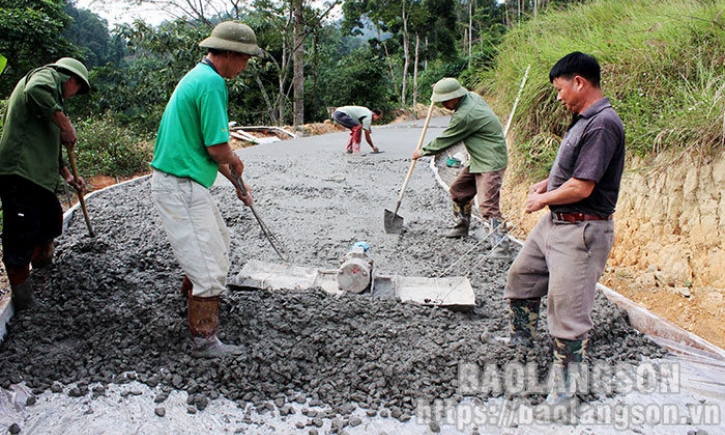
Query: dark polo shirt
column 592, row 149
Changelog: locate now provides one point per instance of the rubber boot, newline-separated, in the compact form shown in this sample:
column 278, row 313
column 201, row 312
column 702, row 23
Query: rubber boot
column 462, row 216
column 562, row 399
column 497, row 229
column 203, row 326
column 186, row 287
column 42, row 255
column 523, row 317
column 21, row 286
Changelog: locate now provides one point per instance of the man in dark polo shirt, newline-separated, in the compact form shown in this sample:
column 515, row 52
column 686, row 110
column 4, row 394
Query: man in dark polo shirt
column 565, row 254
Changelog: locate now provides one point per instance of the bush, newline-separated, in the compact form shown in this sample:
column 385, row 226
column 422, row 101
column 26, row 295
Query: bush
column 107, row 148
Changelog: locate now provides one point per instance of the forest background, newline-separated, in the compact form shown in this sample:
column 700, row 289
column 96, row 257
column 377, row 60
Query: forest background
column 663, row 68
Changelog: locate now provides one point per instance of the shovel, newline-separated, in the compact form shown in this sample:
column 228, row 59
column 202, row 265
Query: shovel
column 267, row 233
column 393, row 222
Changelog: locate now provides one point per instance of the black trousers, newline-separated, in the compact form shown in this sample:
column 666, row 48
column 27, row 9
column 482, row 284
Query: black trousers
column 32, row 216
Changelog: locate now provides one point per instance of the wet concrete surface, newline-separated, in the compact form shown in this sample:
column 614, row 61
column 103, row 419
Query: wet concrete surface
column 110, row 312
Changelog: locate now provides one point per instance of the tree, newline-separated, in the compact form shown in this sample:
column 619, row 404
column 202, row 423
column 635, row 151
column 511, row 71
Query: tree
column 32, row 36
column 357, row 79
column 88, row 31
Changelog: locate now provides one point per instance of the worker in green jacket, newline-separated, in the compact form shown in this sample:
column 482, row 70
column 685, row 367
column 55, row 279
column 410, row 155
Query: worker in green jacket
column 35, row 127
column 475, row 125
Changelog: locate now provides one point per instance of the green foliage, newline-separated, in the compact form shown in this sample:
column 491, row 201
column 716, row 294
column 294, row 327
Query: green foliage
column 662, row 67
column 437, row 71
column 88, row 31
column 138, row 94
column 105, row 147
column 32, row 37
column 359, row 79
column 3, row 105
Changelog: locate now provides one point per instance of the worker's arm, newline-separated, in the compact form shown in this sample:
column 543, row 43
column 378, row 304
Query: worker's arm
column 67, row 131
column 369, row 139
column 228, row 161
column 573, row 190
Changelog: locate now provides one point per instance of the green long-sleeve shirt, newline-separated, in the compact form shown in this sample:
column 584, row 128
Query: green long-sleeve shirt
column 473, row 123
column 30, row 143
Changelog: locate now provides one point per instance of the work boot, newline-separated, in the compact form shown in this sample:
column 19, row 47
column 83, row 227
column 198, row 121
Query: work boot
column 203, row 325
column 462, row 216
column 523, row 316
column 567, row 354
column 21, row 287
column 42, row 255
column 187, row 287
column 498, row 231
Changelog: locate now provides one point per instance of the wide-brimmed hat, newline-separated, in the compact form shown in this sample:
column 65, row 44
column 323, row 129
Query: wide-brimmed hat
column 76, row 68
column 233, row 36
column 447, row 89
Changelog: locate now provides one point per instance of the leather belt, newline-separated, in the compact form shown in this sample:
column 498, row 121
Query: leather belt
column 578, row 217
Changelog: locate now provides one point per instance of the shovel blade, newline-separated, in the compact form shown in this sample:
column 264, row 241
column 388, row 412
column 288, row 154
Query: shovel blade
column 393, row 223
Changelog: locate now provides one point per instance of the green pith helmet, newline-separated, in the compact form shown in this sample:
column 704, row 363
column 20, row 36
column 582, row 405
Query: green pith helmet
column 233, row 36
column 76, row 68
column 447, row 89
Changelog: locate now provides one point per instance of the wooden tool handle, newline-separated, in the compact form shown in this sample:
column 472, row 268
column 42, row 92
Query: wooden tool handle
column 412, row 164
column 82, row 200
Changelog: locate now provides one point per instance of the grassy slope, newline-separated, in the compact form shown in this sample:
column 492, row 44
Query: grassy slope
column 662, row 66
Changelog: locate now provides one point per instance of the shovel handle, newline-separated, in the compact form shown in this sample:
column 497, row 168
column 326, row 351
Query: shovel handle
column 81, row 199
column 412, row 164
column 267, row 233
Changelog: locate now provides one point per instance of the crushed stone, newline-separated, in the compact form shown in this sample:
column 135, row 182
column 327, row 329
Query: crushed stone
column 109, row 310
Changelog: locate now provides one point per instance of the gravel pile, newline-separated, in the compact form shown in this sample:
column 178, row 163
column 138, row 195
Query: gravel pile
column 110, row 310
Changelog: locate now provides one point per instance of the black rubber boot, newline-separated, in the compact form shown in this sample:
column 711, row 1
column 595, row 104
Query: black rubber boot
column 462, row 216
column 21, row 286
column 43, row 255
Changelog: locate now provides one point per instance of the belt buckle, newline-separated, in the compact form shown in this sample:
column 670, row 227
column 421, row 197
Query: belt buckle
column 572, row 218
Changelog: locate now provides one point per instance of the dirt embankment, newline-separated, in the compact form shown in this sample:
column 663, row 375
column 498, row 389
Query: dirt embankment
column 668, row 254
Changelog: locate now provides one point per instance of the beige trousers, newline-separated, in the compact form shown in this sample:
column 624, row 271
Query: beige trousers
column 197, row 233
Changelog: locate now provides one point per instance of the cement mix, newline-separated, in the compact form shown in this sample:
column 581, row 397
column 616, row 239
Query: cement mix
column 105, row 350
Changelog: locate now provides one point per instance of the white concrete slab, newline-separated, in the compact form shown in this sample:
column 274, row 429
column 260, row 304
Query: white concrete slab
column 453, row 291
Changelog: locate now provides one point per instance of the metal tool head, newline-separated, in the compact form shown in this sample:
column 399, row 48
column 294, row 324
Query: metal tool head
column 393, row 222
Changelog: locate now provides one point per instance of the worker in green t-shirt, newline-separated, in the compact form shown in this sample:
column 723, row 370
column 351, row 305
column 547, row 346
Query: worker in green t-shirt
column 192, row 146
column 34, row 128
